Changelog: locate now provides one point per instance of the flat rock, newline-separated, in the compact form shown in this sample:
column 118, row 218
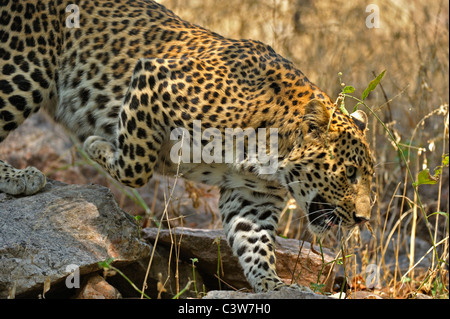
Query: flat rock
column 296, row 261
column 43, row 236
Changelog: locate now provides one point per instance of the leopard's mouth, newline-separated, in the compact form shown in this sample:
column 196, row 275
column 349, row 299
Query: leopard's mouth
column 321, row 215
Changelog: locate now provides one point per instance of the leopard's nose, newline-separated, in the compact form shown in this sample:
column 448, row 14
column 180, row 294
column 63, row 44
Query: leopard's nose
column 362, row 209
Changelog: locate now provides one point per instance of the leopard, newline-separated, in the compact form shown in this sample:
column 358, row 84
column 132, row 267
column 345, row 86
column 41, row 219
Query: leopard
column 122, row 75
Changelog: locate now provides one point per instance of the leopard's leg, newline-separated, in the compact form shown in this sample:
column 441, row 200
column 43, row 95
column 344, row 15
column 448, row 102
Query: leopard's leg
column 15, row 107
column 250, row 221
column 130, row 157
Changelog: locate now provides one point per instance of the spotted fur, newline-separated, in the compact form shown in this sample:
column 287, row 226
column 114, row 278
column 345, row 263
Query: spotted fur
column 134, row 71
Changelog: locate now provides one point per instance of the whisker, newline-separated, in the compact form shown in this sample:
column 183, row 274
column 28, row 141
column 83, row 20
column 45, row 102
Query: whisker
column 306, row 215
column 312, row 202
column 324, row 229
column 327, row 210
column 322, row 215
column 296, row 182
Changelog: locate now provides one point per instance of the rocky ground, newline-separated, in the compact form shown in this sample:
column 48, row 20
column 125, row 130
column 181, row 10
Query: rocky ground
column 52, row 244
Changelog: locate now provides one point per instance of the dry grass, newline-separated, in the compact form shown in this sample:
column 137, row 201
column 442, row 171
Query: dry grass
column 412, row 44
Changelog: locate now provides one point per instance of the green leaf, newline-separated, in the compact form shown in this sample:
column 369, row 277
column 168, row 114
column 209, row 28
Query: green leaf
column 445, row 160
column 317, row 287
column 438, row 170
column 425, row 178
column 348, row 89
column 372, row 85
column 106, row 264
column 406, row 280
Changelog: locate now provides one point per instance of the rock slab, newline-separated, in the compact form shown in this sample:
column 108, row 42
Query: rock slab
column 44, row 236
column 296, row 261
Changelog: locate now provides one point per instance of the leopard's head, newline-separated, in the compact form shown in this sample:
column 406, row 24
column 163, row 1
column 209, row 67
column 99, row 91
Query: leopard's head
column 329, row 172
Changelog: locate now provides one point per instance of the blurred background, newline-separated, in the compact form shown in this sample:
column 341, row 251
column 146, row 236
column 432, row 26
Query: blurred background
column 323, row 38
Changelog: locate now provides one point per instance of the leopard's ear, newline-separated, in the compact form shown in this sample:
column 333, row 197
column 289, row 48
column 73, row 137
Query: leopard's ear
column 316, row 119
column 360, row 119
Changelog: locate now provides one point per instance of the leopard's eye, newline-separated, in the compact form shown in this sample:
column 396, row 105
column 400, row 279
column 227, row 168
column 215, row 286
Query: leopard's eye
column 351, row 172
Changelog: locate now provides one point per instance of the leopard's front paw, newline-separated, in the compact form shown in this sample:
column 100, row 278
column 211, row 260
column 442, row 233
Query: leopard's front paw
column 27, row 181
column 35, row 180
column 98, row 148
